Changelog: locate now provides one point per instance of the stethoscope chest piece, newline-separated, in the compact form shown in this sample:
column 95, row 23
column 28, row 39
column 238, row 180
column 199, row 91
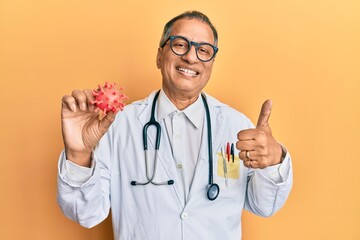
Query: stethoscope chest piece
column 213, row 191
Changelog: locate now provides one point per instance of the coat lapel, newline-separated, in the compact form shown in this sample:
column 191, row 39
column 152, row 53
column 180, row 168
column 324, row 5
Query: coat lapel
column 201, row 175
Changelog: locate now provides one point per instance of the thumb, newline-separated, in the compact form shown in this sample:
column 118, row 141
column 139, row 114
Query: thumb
column 107, row 121
column 264, row 114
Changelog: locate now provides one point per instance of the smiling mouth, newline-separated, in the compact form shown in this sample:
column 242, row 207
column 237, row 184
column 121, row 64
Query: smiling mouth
column 187, row 71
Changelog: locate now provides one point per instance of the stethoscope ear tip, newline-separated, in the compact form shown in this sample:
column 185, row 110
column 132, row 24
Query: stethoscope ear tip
column 133, row 183
column 170, row 182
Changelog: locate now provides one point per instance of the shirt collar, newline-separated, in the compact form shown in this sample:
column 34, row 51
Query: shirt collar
column 194, row 112
column 165, row 106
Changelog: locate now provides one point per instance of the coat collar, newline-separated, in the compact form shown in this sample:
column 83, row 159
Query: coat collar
column 194, row 112
column 144, row 115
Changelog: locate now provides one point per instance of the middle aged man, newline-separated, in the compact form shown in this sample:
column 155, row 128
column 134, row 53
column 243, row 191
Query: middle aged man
column 197, row 185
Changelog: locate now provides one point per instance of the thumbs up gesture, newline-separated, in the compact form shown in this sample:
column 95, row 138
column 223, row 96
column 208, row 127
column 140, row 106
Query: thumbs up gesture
column 258, row 148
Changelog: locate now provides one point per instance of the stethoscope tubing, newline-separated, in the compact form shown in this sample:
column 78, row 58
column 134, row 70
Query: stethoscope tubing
column 212, row 189
column 151, row 179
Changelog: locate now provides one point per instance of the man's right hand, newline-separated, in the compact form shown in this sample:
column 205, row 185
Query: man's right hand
column 82, row 128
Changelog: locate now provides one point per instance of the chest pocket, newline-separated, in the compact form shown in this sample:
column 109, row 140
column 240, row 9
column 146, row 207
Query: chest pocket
column 230, row 168
column 229, row 177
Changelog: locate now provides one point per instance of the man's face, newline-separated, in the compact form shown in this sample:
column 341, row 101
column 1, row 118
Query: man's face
column 185, row 75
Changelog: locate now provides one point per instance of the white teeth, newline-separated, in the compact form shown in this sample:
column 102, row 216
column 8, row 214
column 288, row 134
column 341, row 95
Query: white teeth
column 188, row 71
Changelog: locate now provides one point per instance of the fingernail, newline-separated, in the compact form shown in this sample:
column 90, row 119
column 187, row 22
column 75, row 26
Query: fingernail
column 73, row 107
column 83, row 106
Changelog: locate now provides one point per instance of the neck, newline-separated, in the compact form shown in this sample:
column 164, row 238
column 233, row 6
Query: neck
column 181, row 101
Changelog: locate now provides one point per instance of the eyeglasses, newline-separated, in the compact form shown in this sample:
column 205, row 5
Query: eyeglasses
column 181, row 46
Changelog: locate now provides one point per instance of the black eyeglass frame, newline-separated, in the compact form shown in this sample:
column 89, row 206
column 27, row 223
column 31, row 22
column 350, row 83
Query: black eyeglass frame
column 190, row 43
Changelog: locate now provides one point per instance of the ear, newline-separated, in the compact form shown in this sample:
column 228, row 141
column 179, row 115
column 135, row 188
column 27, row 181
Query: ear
column 159, row 58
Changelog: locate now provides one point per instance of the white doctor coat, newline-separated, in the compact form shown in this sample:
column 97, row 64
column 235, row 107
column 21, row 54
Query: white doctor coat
column 154, row 212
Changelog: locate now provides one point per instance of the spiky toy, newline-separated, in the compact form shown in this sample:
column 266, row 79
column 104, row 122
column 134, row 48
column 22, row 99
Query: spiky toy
column 108, row 98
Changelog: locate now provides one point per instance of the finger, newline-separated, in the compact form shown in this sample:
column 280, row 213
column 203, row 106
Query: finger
column 251, row 139
column 259, row 159
column 90, row 97
column 247, row 163
column 264, row 114
column 69, row 102
column 250, row 164
column 254, row 164
column 246, row 134
column 246, row 155
column 247, row 145
column 80, row 98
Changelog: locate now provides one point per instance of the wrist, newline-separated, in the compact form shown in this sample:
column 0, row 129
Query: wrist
column 280, row 155
column 283, row 153
column 81, row 158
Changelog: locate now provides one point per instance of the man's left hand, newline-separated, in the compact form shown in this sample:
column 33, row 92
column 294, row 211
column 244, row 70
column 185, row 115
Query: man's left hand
column 258, row 148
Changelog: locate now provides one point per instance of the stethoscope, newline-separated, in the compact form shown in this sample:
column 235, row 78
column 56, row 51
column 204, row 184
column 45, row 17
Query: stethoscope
column 213, row 189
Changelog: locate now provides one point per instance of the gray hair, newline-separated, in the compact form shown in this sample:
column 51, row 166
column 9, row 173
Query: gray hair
column 187, row 15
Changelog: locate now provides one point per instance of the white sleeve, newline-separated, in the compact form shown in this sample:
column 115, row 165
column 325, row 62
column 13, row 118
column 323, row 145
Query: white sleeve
column 269, row 188
column 278, row 173
column 83, row 194
column 72, row 173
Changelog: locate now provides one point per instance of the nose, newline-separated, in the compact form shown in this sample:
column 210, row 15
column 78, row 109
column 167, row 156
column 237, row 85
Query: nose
column 190, row 56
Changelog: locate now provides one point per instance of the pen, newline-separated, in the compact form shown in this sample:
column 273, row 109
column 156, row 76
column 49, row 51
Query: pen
column 228, row 151
column 225, row 168
column 232, row 152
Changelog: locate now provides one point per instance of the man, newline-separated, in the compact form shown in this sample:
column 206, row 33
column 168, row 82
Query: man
column 164, row 194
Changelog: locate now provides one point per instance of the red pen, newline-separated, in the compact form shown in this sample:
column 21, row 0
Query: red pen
column 228, row 151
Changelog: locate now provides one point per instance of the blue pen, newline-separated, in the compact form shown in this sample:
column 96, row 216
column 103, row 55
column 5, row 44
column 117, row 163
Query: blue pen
column 232, row 152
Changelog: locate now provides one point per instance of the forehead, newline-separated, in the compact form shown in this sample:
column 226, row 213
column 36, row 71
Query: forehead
column 194, row 30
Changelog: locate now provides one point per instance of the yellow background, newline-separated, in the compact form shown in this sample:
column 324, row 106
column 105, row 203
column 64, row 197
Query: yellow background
column 303, row 54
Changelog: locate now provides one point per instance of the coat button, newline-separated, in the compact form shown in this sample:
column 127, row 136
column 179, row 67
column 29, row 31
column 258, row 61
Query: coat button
column 184, row 215
column 179, row 166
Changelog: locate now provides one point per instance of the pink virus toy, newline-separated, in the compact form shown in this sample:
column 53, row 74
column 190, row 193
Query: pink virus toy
column 108, row 98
